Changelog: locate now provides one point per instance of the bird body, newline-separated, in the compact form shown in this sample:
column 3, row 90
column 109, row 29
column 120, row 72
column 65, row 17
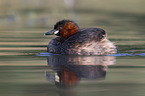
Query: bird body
column 75, row 41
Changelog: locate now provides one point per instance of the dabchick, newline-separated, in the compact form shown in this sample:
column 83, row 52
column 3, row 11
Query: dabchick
column 75, row 41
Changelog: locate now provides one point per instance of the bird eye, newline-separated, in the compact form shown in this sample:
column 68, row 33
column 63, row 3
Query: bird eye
column 60, row 28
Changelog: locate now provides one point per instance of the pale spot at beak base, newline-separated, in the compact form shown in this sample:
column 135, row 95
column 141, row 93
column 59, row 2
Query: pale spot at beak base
column 56, row 32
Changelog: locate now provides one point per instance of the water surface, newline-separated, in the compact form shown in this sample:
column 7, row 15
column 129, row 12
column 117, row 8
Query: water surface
column 28, row 70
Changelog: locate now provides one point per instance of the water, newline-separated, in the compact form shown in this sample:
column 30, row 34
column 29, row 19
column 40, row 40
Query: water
column 27, row 70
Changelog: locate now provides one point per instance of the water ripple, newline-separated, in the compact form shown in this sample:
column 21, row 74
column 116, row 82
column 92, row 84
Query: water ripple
column 119, row 54
column 128, row 54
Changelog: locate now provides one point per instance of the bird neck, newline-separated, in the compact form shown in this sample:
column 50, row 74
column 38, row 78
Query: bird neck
column 69, row 29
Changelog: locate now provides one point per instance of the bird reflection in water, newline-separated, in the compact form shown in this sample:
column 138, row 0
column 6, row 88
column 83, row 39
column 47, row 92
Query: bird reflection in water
column 69, row 70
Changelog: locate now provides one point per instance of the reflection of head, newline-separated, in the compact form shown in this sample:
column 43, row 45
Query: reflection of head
column 65, row 78
column 70, row 69
column 70, row 75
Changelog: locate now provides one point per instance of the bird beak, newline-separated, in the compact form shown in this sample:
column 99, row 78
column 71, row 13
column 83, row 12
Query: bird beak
column 52, row 32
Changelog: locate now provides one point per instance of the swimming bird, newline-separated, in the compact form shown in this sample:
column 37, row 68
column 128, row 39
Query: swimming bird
column 75, row 41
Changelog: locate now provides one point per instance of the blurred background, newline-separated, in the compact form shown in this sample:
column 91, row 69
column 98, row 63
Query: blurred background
column 23, row 23
column 44, row 13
